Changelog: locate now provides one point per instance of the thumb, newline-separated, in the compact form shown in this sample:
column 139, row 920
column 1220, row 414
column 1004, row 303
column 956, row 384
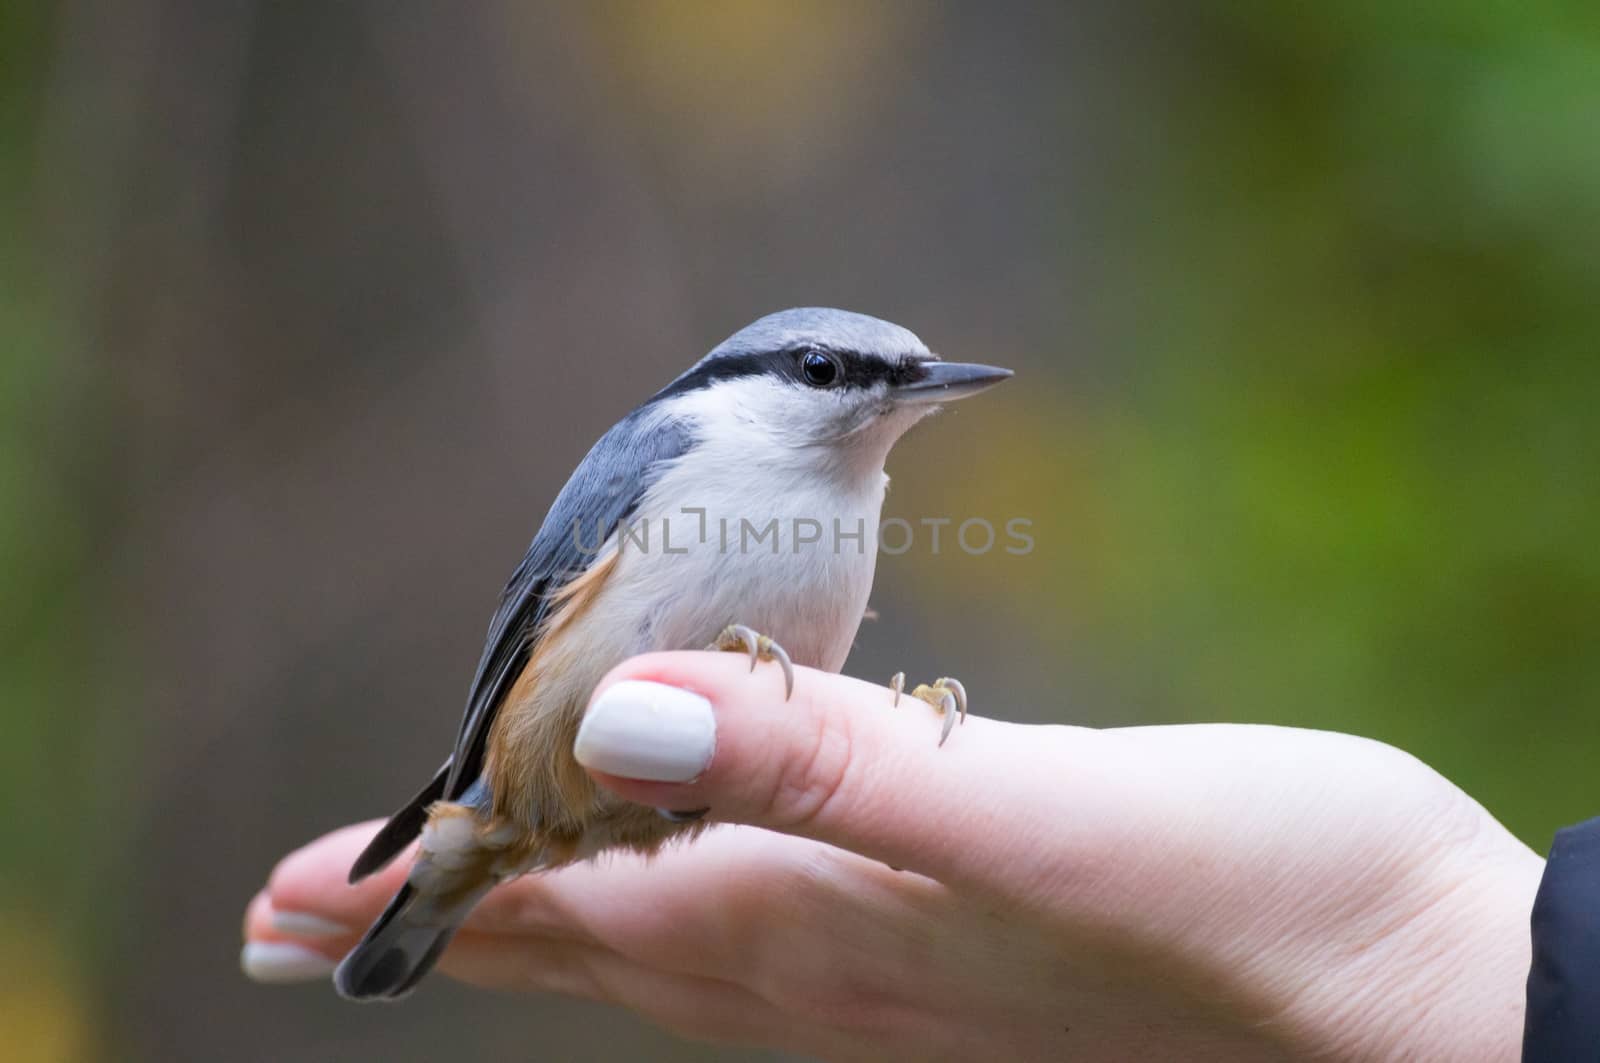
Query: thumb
column 838, row 761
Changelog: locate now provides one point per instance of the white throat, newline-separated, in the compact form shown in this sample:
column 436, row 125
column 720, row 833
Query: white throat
column 794, row 435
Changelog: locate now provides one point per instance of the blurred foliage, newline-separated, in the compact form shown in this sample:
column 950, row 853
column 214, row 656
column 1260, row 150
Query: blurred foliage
column 43, row 1009
column 1365, row 473
column 714, row 59
column 1346, row 477
column 45, row 796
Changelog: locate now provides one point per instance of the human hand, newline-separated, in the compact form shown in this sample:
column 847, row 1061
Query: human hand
column 1194, row 892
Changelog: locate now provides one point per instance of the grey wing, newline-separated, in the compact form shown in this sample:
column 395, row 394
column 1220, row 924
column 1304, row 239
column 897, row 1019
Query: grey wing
column 601, row 494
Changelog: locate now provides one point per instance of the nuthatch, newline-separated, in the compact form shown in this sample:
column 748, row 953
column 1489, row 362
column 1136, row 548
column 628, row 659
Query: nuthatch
column 790, row 418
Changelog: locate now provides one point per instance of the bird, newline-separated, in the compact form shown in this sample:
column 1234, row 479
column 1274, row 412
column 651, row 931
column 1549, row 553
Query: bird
column 760, row 471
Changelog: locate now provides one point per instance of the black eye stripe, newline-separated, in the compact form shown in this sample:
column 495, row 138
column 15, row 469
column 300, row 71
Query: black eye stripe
column 863, row 372
column 856, row 370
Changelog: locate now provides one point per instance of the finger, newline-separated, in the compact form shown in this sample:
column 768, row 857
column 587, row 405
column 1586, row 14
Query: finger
column 525, row 935
column 272, row 957
column 835, row 762
column 309, row 915
column 262, row 922
column 701, row 909
column 309, row 887
column 307, row 882
column 488, row 951
column 706, row 908
column 690, row 908
column 696, row 1007
column 298, row 927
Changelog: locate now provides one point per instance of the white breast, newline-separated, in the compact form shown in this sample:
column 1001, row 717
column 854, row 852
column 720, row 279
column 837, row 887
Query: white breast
column 745, row 558
column 720, row 537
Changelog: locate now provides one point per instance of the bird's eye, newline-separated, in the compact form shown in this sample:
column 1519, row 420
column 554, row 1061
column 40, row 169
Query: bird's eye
column 819, row 370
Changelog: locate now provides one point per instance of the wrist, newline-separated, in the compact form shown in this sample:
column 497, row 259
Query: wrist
column 1441, row 974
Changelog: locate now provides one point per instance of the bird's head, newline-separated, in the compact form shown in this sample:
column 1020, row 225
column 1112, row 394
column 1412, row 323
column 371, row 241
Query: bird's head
column 818, row 378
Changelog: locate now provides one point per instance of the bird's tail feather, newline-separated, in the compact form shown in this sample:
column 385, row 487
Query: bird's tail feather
column 404, row 825
column 403, row 945
column 453, row 872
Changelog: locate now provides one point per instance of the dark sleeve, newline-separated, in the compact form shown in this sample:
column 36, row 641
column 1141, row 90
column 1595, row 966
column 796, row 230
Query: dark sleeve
column 1564, row 983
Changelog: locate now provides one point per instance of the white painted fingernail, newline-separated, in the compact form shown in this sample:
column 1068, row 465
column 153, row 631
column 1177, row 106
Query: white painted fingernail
column 640, row 730
column 306, row 925
column 279, row 962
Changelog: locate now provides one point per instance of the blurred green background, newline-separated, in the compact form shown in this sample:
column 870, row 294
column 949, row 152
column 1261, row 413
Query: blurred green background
column 307, row 310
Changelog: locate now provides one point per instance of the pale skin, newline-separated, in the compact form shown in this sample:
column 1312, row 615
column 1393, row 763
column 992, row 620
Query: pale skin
column 1207, row 892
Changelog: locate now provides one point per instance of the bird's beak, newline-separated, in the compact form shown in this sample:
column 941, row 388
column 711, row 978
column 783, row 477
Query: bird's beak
column 947, row 381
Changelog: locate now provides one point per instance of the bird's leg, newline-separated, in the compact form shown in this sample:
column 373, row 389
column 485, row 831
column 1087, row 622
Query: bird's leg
column 946, row 694
column 736, row 638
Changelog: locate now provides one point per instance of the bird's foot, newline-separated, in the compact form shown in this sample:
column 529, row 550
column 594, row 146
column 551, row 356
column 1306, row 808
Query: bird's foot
column 946, row 694
column 736, row 638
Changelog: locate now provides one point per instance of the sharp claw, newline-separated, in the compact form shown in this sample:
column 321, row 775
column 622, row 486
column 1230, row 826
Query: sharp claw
column 947, row 695
column 955, row 687
column 781, row 655
column 947, row 706
column 758, row 646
